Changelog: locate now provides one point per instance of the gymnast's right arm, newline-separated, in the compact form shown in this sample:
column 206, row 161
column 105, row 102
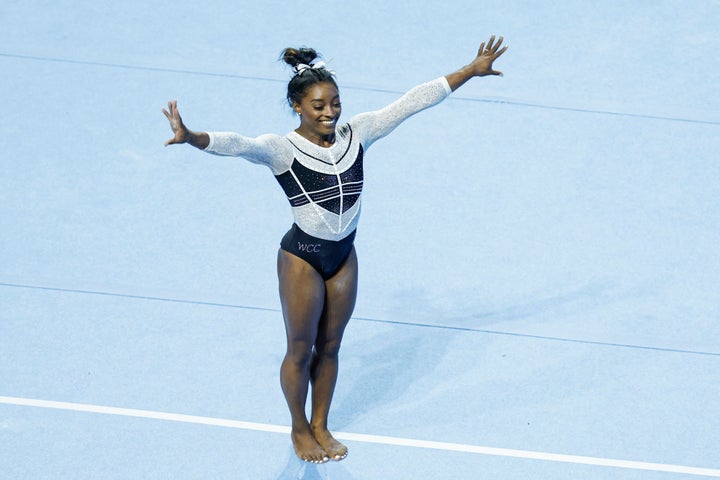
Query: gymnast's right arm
column 269, row 149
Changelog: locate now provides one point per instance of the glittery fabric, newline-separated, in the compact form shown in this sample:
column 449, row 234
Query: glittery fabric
column 324, row 184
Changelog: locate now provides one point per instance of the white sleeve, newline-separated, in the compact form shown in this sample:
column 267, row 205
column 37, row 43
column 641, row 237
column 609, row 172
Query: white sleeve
column 269, row 149
column 372, row 126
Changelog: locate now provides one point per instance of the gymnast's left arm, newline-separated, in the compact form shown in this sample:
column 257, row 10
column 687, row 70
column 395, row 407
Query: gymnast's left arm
column 372, row 126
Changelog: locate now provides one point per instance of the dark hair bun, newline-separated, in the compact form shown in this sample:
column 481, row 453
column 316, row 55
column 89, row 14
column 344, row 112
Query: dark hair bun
column 295, row 56
column 304, row 77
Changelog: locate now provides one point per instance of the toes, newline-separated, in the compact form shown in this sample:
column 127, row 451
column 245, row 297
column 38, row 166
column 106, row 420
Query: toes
column 339, row 457
column 316, row 461
column 339, row 452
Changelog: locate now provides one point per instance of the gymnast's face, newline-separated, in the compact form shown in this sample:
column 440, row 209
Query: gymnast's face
column 319, row 112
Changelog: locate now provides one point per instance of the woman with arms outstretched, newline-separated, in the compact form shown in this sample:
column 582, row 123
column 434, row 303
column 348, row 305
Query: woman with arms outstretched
column 319, row 166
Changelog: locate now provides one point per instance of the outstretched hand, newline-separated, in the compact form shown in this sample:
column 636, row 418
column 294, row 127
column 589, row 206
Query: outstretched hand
column 176, row 124
column 482, row 65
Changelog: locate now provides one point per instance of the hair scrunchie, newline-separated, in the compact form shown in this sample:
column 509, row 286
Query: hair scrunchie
column 300, row 68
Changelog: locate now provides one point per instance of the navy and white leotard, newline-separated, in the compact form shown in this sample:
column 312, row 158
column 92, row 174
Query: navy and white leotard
column 324, row 184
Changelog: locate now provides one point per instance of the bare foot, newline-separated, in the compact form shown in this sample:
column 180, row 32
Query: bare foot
column 335, row 450
column 307, row 448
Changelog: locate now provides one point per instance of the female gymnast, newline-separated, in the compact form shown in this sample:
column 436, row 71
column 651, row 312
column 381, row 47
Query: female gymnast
column 319, row 166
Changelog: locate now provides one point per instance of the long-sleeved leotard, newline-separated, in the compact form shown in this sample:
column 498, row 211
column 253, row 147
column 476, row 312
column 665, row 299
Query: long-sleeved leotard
column 324, row 184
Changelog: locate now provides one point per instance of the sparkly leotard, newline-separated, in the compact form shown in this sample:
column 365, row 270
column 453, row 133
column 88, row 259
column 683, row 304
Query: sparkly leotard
column 324, row 184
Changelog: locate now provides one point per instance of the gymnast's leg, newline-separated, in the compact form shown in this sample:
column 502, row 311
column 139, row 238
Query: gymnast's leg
column 302, row 295
column 341, row 292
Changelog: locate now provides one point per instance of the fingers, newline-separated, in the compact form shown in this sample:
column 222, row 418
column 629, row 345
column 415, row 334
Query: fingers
column 490, row 43
column 493, row 49
column 496, row 48
column 171, row 110
column 175, row 121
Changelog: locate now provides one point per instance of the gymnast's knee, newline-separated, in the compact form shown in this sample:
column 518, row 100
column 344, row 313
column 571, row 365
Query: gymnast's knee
column 328, row 349
column 300, row 353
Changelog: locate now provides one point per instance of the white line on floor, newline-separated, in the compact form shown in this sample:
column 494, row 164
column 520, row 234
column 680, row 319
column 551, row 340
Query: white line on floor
column 357, row 437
